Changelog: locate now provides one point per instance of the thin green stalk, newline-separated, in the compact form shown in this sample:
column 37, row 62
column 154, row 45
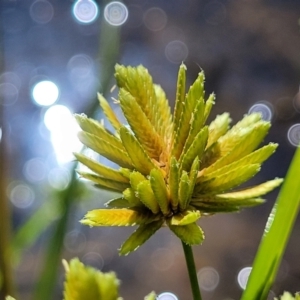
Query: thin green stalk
column 189, row 258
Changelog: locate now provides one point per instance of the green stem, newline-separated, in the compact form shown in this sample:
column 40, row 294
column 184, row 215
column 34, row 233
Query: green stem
column 189, row 258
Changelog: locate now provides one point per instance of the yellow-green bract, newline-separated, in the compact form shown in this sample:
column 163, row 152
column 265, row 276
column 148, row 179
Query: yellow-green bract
column 173, row 168
column 84, row 282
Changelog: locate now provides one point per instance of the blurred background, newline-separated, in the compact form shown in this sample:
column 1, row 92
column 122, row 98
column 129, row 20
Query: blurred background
column 56, row 55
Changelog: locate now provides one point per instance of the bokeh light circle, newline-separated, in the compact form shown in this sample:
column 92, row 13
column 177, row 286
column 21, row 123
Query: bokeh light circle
column 208, row 279
column 80, row 66
column 243, row 276
column 115, row 13
column 265, row 109
column 162, row 259
column 21, row 196
column 85, row 11
column 41, row 11
column 93, row 259
column 45, row 93
column 167, row 296
column 75, row 241
column 8, row 94
column 155, row 19
column 293, row 135
column 34, row 170
column 176, row 51
column 59, row 178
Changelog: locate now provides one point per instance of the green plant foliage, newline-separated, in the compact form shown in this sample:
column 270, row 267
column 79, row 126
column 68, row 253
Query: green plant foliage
column 174, row 169
column 84, row 282
column 288, row 296
column 276, row 235
column 151, row 296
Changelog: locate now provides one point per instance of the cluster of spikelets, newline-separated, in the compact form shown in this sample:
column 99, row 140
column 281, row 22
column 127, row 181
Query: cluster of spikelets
column 173, row 169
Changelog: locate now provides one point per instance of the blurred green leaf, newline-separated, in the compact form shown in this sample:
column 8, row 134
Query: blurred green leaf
column 151, row 296
column 276, row 235
column 83, row 282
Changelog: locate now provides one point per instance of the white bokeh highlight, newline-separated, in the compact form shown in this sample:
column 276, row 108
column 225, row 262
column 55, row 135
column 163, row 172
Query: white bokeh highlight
column 63, row 128
column 85, row 11
column 45, row 93
column 293, row 135
column 116, row 13
column 243, row 276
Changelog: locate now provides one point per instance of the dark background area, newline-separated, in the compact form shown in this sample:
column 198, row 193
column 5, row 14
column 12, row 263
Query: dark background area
column 250, row 52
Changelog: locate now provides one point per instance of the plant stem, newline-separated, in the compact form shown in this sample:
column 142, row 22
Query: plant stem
column 189, row 258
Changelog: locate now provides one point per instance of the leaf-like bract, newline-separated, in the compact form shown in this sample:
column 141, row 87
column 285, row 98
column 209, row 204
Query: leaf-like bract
column 135, row 179
column 118, row 203
column 140, row 125
column 140, row 236
column 116, row 217
column 140, row 159
column 113, row 153
column 253, row 192
column 218, row 127
column 184, row 190
column 195, row 93
column 100, row 169
column 109, row 113
column 229, row 180
column 174, row 182
column 186, row 217
column 180, row 95
column 208, row 106
column 256, row 157
column 130, row 196
column 147, row 196
column 160, row 190
column 196, row 149
column 93, row 127
column 190, row 234
column 197, row 121
column 103, row 182
column 163, row 115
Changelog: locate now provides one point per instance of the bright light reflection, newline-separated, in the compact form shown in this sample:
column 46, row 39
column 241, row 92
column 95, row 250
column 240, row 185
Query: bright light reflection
column 265, row 109
column 176, row 51
column 45, row 93
column 116, row 13
column 34, row 170
column 167, row 296
column 85, row 11
column 22, row 196
column 41, row 11
column 243, row 277
column 208, row 279
column 93, row 259
column 155, row 19
column 59, row 178
column 294, row 135
column 63, row 127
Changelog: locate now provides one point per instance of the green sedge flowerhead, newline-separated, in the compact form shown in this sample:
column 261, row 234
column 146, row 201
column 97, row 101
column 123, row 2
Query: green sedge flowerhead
column 173, row 168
